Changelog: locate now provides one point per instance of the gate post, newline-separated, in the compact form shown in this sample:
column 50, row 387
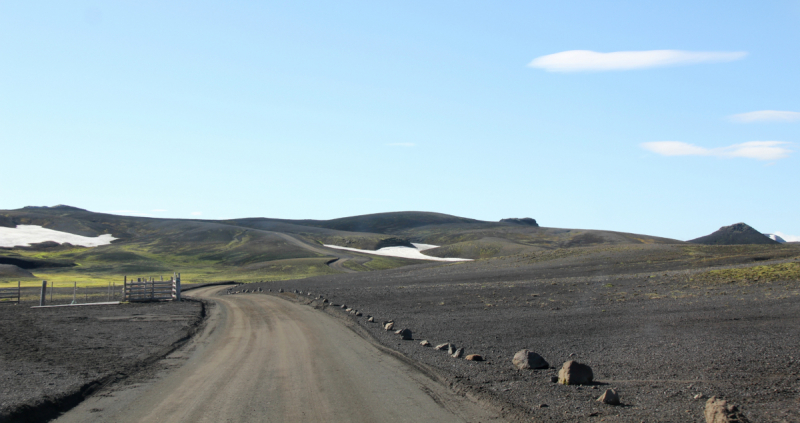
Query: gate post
column 44, row 293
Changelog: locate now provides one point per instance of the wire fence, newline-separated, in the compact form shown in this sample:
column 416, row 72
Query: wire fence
column 60, row 293
column 66, row 293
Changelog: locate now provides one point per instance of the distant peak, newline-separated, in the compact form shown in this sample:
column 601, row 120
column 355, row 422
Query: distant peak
column 738, row 233
column 520, row 221
column 66, row 207
column 58, row 207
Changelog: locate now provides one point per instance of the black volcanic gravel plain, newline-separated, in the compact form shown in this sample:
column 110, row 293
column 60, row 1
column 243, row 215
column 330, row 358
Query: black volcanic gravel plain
column 642, row 317
column 50, row 358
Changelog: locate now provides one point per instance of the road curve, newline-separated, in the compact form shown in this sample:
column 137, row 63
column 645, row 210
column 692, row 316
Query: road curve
column 262, row 358
column 337, row 264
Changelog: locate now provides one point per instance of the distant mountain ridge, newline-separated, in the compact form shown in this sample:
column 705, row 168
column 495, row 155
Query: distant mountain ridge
column 739, row 233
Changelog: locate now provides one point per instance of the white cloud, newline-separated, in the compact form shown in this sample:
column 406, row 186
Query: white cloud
column 587, row 60
column 787, row 238
column 766, row 116
column 159, row 210
column 402, row 144
column 759, row 150
column 196, row 213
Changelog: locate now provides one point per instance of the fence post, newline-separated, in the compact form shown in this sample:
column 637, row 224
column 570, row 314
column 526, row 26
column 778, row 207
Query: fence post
column 19, row 290
column 74, row 291
column 178, row 287
column 44, row 293
column 52, row 288
column 125, row 289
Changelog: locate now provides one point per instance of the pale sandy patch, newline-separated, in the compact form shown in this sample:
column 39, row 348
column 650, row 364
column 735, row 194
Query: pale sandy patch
column 25, row 235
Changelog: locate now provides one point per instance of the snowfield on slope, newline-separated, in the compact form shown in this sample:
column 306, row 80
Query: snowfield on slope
column 402, row 252
column 25, row 235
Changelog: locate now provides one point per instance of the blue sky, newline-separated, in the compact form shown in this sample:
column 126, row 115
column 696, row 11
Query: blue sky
column 670, row 119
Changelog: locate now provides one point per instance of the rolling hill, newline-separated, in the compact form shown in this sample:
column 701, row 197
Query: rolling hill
column 265, row 248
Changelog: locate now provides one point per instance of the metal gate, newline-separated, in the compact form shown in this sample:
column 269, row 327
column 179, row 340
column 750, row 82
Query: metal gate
column 149, row 289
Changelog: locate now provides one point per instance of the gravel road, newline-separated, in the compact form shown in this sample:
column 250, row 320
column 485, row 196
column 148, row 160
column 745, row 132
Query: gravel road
column 261, row 358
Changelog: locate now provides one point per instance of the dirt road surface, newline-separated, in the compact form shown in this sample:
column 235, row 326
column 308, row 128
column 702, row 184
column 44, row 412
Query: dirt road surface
column 261, row 358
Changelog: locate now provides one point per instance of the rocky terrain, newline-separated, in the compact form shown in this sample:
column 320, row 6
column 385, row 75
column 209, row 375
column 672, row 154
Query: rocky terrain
column 666, row 327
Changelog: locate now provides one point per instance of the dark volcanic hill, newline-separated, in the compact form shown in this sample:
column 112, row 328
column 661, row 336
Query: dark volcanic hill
column 381, row 223
column 265, row 248
column 739, row 233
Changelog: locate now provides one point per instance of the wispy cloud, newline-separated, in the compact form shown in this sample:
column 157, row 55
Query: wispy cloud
column 587, row 60
column 766, row 116
column 759, row 150
column 787, row 238
column 401, row 144
column 196, row 213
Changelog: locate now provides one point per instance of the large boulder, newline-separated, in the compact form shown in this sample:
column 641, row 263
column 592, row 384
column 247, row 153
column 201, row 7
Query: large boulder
column 574, row 373
column 527, row 359
column 719, row 411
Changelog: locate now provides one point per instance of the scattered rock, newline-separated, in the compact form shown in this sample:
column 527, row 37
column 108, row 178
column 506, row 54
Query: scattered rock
column 451, row 349
column 388, row 326
column 371, row 319
column 425, row 343
column 554, row 379
column 719, row 411
column 574, row 373
column 325, row 301
column 443, row 347
column 610, row 397
column 527, row 359
column 405, row 334
column 698, row 396
column 458, row 353
column 348, row 309
column 344, row 306
column 474, row 357
column 280, row 289
column 543, row 405
column 359, row 314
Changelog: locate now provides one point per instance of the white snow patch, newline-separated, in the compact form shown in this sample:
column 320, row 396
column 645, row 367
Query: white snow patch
column 25, row 235
column 785, row 237
column 403, row 252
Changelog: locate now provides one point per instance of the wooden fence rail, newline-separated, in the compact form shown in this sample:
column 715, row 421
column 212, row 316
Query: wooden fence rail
column 10, row 295
column 152, row 290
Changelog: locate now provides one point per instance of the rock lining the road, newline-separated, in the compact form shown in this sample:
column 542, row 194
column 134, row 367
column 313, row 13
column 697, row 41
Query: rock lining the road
column 526, row 359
